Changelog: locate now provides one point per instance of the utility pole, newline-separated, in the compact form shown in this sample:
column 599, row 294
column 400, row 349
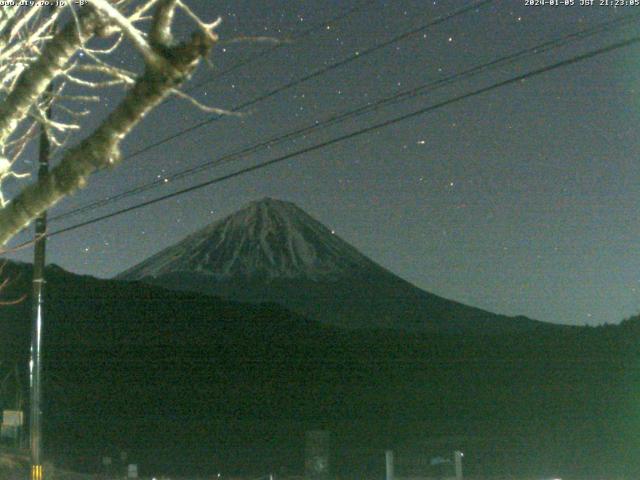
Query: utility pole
column 457, row 455
column 388, row 456
column 35, row 364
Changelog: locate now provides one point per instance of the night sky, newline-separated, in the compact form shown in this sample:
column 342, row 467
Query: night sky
column 523, row 200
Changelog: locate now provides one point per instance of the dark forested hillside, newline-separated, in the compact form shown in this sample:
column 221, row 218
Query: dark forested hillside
column 155, row 372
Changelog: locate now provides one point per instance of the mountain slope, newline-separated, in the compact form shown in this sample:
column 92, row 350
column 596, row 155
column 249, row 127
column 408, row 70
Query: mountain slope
column 272, row 251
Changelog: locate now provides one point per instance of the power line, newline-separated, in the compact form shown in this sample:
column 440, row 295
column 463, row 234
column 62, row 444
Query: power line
column 357, row 55
column 315, row 74
column 400, row 96
column 267, row 51
column 357, row 133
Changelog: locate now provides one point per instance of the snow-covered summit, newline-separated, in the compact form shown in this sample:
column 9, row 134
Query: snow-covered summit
column 266, row 239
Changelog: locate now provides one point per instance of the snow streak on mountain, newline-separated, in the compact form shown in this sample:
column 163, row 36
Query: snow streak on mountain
column 265, row 240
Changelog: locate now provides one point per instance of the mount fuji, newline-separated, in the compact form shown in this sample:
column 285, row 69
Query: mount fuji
column 271, row 251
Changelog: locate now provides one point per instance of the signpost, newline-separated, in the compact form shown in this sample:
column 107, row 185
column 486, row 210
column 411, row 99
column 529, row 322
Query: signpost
column 132, row 471
column 12, row 422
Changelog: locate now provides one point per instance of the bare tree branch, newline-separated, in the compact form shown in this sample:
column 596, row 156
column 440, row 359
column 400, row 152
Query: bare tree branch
column 4, row 284
column 33, row 82
column 101, row 148
column 32, row 55
column 150, row 56
column 203, row 107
